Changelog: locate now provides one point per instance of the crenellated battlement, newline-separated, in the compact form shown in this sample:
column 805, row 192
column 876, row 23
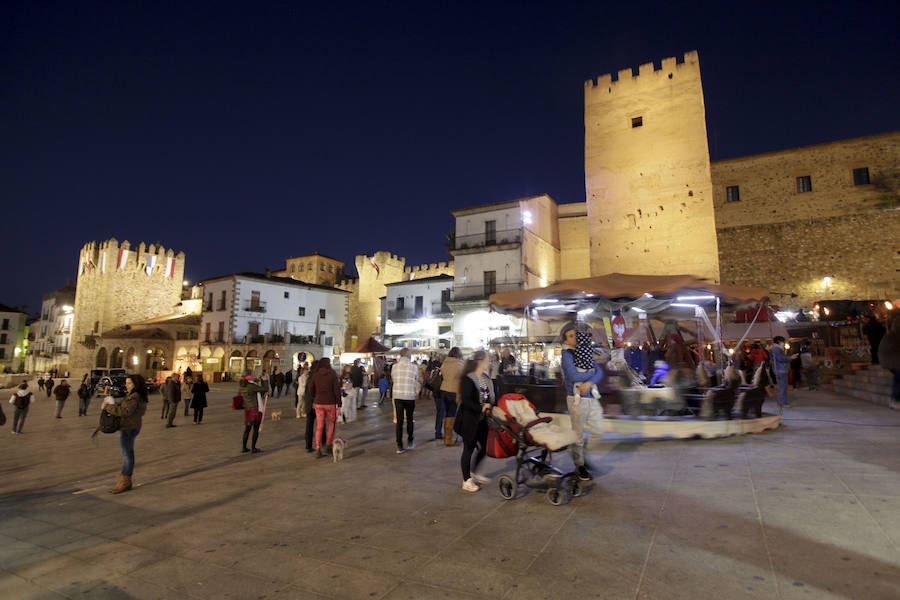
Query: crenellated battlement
column 429, row 270
column 668, row 68
column 348, row 285
column 109, row 256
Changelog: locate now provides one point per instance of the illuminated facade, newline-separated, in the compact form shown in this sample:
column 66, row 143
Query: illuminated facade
column 13, row 338
column 416, row 313
column 52, row 333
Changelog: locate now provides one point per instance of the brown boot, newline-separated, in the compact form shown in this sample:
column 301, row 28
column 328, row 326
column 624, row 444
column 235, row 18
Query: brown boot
column 448, row 432
column 123, row 485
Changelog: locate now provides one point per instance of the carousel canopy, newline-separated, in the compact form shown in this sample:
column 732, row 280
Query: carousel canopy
column 369, row 346
column 628, row 288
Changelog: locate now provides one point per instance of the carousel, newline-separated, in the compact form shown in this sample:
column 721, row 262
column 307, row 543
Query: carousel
column 669, row 374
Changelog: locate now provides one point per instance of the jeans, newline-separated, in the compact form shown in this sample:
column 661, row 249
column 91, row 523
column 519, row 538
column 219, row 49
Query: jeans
column 59, row 407
column 311, row 427
column 404, row 408
column 172, row 411
column 480, row 440
column 358, row 397
column 126, row 444
column 198, row 415
column 19, row 415
column 444, row 408
column 782, row 380
column 325, row 412
column 83, row 404
column 187, row 405
column 584, row 411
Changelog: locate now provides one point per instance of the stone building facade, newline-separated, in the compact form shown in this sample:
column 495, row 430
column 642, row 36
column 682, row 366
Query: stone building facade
column 313, row 268
column 116, row 286
column 788, row 220
column 647, row 173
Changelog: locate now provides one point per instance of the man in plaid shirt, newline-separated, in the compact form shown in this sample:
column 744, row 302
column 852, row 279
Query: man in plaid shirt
column 406, row 389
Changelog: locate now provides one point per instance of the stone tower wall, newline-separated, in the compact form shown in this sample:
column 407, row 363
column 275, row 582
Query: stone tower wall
column 648, row 188
column 111, row 297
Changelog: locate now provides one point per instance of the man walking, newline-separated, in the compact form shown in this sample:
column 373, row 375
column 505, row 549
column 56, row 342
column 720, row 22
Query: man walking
column 781, row 364
column 62, row 393
column 173, row 397
column 356, row 378
column 48, row 386
column 406, row 388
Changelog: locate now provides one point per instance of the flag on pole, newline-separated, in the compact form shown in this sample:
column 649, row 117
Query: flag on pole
column 103, row 263
column 123, row 258
column 170, row 267
column 377, row 270
column 151, row 262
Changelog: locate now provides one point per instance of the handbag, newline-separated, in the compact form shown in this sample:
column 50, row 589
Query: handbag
column 435, row 381
column 237, row 403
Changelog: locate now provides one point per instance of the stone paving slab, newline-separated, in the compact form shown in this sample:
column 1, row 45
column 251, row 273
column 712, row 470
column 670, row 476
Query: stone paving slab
column 809, row 511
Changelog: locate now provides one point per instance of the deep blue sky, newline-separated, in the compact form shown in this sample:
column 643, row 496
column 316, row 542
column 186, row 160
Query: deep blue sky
column 244, row 133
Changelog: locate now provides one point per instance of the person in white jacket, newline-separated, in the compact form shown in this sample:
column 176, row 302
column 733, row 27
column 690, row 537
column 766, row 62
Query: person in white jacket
column 22, row 401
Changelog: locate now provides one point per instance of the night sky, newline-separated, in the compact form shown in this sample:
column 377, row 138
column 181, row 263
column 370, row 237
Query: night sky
column 244, row 133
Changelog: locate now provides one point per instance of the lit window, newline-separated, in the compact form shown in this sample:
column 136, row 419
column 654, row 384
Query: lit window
column 732, row 193
column 861, row 176
column 293, row 267
column 804, row 184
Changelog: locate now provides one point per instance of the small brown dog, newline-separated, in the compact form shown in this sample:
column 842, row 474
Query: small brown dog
column 337, row 449
column 276, row 415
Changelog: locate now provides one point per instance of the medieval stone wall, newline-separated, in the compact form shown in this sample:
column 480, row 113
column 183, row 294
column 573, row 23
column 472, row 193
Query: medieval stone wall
column 647, row 173
column 108, row 296
column 790, row 241
column 574, row 246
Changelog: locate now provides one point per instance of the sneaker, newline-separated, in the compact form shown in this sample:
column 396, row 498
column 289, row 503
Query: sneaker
column 400, row 451
column 411, row 445
column 583, row 473
column 470, row 486
column 245, row 450
column 481, row 479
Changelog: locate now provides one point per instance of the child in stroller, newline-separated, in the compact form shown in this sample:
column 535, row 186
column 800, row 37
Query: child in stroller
column 515, row 429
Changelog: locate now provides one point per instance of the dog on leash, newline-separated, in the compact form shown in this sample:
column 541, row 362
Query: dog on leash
column 337, row 449
column 276, row 415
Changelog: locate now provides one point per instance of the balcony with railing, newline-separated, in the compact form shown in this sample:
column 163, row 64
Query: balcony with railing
column 407, row 314
column 272, row 338
column 187, row 335
column 258, row 307
column 477, row 291
column 220, row 305
column 488, row 239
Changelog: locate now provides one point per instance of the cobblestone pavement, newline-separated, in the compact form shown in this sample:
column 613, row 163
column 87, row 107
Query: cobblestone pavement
column 808, row 511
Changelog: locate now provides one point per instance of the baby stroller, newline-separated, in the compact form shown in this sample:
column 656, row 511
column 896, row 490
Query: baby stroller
column 514, row 429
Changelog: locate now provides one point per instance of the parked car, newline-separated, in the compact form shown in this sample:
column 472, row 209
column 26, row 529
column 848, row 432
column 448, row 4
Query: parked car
column 111, row 386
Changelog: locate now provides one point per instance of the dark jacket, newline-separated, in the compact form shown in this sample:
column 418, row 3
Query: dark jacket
column 324, row 387
column 278, row 379
column 356, row 376
column 198, row 392
column 249, row 390
column 889, row 349
column 469, row 414
column 62, row 392
column 173, row 391
column 131, row 409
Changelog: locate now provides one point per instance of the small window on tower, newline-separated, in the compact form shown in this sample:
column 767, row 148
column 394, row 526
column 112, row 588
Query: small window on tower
column 637, row 122
column 804, row 184
column 861, row 176
column 732, row 193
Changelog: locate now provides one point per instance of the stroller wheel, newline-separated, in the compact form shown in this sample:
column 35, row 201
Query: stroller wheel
column 573, row 486
column 557, row 496
column 508, row 487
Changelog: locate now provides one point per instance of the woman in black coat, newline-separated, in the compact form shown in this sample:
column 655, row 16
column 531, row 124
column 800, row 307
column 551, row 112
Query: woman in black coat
column 475, row 398
column 198, row 398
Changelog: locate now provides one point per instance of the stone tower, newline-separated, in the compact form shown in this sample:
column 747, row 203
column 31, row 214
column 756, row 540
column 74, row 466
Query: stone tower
column 118, row 285
column 647, row 174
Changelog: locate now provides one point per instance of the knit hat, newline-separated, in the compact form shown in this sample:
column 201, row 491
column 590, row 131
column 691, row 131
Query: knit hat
column 570, row 326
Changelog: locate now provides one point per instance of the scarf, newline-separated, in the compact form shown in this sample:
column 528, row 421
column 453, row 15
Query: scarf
column 484, row 386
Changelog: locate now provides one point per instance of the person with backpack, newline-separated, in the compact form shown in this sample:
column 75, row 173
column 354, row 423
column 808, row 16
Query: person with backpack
column 40, row 382
column 48, row 386
column 130, row 410
column 62, row 394
column 22, row 401
column 84, row 396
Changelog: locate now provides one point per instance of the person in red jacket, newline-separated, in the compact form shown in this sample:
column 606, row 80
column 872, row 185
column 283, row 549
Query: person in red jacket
column 325, row 390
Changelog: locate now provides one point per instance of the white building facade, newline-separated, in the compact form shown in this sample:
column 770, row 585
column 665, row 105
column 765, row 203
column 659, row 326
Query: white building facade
column 257, row 322
column 416, row 313
column 12, row 339
column 52, row 333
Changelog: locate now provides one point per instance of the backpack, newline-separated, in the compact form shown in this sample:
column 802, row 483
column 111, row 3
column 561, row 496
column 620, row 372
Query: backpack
column 237, row 402
column 109, row 423
column 23, row 401
column 435, row 381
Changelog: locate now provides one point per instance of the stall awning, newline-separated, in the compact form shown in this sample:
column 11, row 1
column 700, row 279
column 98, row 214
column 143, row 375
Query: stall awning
column 371, row 345
column 621, row 285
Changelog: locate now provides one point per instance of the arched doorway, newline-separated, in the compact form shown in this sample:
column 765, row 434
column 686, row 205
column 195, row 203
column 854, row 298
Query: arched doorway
column 156, row 360
column 253, row 363
column 116, row 359
column 270, row 360
column 216, row 362
column 302, row 359
column 131, row 359
column 102, row 359
column 236, row 364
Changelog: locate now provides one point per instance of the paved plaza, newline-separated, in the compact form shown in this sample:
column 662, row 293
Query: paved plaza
column 809, row 511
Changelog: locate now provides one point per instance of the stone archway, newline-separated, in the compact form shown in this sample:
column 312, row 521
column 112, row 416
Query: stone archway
column 236, row 364
column 156, row 360
column 116, row 358
column 131, row 359
column 253, row 363
column 102, row 359
column 271, row 359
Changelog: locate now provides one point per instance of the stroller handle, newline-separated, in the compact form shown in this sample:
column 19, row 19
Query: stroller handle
column 538, row 422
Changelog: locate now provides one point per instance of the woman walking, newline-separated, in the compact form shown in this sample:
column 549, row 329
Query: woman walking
column 253, row 394
column 445, row 397
column 474, row 399
column 130, row 410
column 198, row 398
column 889, row 355
column 300, row 400
column 325, row 390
